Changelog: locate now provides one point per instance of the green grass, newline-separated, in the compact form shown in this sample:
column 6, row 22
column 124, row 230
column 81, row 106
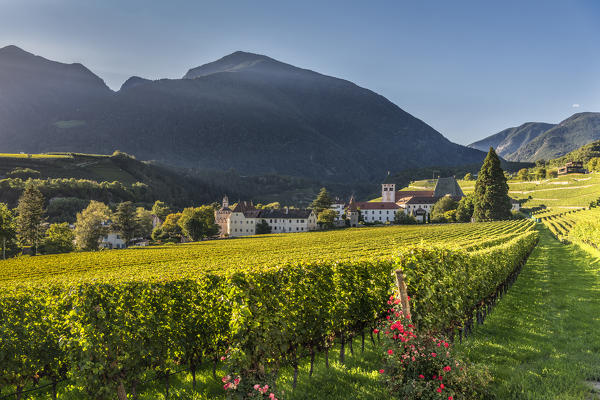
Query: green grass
column 565, row 192
column 69, row 124
column 19, row 155
column 543, row 339
column 357, row 378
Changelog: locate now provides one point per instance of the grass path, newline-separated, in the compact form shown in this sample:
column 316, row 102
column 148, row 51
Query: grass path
column 543, row 339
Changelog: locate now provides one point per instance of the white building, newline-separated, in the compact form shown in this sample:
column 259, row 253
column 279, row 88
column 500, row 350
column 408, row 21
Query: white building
column 383, row 212
column 243, row 218
column 515, row 205
column 112, row 241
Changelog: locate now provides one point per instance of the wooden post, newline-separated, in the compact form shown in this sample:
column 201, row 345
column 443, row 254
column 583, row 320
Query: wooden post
column 402, row 291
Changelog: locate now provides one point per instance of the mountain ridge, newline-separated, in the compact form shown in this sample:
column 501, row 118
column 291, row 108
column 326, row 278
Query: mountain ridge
column 535, row 141
column 245, row 112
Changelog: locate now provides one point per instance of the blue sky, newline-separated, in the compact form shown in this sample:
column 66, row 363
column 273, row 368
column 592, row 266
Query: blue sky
column 467, row 68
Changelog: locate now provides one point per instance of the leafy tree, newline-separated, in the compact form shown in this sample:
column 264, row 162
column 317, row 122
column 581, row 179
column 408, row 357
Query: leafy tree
column 8, row 231
column 540, row 173
column 551, row 173
column 468, row 177
column 403, row 218
column 91, row 226
column 30, row 217
column 24, row 173
column 490, row 198
column 263, row 227
column 125, row 222
column 143, row 219
column 523, row 174
column 272, row 206
column 326, row 218
column 197, row 223
column 169, row 231
column 64, row 209
column 322, row 202
column 161, row 210
column 594, row 164
column 442, row 206
column 59, row 239
column 464, row 211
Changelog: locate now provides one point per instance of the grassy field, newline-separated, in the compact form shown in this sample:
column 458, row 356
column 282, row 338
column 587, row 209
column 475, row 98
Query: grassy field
column 543, row 339
column 563, row 193
column 245, row 253
column 568, row 192
column 38, row 156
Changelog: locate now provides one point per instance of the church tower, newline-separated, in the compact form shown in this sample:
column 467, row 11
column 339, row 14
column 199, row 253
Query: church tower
column 352, row 212
column 388, row 190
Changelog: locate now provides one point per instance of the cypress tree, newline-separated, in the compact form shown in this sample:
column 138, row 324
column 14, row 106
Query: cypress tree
column 490, row 198
column 322, row 202
column 30, row 217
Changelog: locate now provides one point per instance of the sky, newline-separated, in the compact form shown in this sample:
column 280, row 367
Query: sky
column 467, row 68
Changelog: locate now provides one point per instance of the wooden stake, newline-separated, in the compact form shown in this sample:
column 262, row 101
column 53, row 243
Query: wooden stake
column 402, row 291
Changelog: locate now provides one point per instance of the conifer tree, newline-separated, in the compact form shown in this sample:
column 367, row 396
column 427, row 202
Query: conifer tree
column 490, row 198
column 7, row 227
column 322, row 202
column 30, row 217
column 125, row 221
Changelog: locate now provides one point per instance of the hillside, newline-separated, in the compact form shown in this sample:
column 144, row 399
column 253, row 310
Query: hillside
column 245, row 112
column 540, row 141
column 510, row 140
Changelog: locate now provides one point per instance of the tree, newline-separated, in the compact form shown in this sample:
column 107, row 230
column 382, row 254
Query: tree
column 59, row 239
column 169, row 231
column 125, row 221
column 197, row 223
column 523, row 174
column 594, row 164
column 551, row 173
column 464, row 211
column 326, row 218
column 263, row 227
column 30, row 217
column 91, row 225
column 403, row 218
column 540, row 173
column 468, row 177
column 442, row 206
column 161, row 210
column 143, row 219
column 490, row 198
column 8, row 231
column 322, row 202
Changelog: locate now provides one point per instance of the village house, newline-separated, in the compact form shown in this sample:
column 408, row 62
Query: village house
column 418, row 203
column 244, row 217
column 573, row 167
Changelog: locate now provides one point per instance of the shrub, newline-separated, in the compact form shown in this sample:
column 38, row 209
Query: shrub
column 421, row 365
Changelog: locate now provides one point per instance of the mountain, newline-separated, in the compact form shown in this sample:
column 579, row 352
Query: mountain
column 245, row 112
column 510, row 140
column 36, row 94
column 570, row 134
column 536, row 141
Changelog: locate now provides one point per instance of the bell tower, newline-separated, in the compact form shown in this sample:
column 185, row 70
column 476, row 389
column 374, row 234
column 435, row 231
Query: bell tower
column 388, row 190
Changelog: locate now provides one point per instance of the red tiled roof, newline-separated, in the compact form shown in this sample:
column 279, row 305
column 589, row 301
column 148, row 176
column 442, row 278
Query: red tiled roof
column 421, row 200
column 413, row 193
column 377, row 205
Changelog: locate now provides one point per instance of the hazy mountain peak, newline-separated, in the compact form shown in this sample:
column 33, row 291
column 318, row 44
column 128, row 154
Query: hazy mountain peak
column 133, row 82
column 235, row 62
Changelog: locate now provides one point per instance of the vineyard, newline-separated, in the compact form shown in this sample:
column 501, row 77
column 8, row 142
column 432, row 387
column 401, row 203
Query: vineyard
column 243, row 254
column 107, row 320
column 573, row 191
column 577, row 226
